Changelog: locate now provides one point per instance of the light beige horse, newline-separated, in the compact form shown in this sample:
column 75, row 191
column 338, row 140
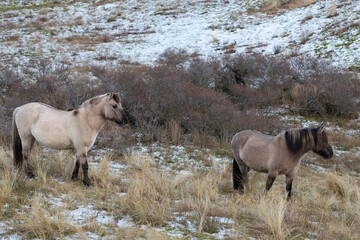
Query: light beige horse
column 75, row 129
column 275, row 155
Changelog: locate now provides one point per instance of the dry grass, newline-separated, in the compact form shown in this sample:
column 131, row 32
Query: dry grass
column 45, row 224
column 149, row 192
column 346, row 141
column 272, row 213
column 288, row 4
column 195, row 204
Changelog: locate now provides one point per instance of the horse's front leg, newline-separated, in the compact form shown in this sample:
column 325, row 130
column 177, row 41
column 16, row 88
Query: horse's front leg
column 85, row 167
column 270, row 180
column 288, row 180
column 75, row 174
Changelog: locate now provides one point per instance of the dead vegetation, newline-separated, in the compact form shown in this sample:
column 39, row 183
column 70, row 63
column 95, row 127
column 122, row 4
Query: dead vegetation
column 288, row 4
column 184, row 94
column 150, row 202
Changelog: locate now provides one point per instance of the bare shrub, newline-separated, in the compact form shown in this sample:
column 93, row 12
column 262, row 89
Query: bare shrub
column 323, row 91
column 174, row 130
column 203, row 73
column 173, row 57
column 248, row 97
column 167, row 96
column 54, row 85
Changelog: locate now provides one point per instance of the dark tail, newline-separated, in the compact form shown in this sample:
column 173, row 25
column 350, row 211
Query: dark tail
column 237, row 179
column 17, row 147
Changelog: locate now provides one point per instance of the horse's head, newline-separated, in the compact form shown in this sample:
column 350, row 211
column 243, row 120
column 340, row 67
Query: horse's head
column 322, row 146
column 113, row 109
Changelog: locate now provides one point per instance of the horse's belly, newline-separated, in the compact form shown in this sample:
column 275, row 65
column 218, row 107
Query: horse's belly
column 59, row 144
column 53, row 140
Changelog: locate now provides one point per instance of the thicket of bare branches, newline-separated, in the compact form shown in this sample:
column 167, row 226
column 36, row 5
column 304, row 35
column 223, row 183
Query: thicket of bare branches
column 186, row 94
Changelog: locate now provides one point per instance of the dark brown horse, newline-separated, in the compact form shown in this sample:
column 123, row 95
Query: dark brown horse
column 275, row 155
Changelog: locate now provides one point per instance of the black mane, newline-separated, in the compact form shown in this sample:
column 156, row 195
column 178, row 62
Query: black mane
column 298, row 139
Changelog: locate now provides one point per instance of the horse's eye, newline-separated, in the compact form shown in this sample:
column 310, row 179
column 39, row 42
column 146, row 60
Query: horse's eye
column 114, row 106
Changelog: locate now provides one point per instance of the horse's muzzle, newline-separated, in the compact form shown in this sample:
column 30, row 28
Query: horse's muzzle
column 124, row 119
column 326, row 153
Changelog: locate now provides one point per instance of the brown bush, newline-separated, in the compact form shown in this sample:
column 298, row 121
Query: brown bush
column 205, row 97
column 324, row 91
column 159, row 96
column 174, row 57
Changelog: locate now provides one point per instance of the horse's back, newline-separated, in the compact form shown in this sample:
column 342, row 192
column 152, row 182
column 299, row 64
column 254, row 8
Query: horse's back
column 49, row 126
column 241, row 138
column 33, row 112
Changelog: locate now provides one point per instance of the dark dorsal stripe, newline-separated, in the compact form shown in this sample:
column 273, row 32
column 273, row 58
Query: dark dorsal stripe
column 70, row 109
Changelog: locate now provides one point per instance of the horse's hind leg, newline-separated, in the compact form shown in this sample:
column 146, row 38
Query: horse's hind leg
column 27, row 143
column 237, row 177
column 240, row 175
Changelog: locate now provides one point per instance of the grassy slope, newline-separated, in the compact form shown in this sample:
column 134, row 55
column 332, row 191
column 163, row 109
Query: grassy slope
column 146, row 200
column 142, row 199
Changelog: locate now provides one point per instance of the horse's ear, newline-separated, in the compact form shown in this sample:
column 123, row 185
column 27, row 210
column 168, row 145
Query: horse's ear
column 111, row 95
column 116, row 97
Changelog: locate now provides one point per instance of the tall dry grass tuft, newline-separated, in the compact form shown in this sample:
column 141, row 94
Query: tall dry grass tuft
column 149, row 192
column 340, row 186
column 5, row 158
column 45, row 224
column 201, row 196
column 106, row 184
column 7, row 186
column 272, row 212
column 202, row 199
column 347, row 190
column 52, row 163
column 7, row 178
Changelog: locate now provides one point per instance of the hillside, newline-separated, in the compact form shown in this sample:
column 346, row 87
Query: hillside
column 190, row 75
column 108, row 31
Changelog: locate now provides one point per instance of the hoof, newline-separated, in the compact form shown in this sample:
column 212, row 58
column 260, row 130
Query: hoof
column 74, row 178
column 241, row 192
column 87, row 182
column 31, row 175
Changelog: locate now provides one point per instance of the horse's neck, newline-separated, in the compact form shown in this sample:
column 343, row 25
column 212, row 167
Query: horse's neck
column 303, row 151
column 94, row 117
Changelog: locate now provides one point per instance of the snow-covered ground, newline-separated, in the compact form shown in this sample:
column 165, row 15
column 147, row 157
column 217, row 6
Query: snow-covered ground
column 138, row 31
